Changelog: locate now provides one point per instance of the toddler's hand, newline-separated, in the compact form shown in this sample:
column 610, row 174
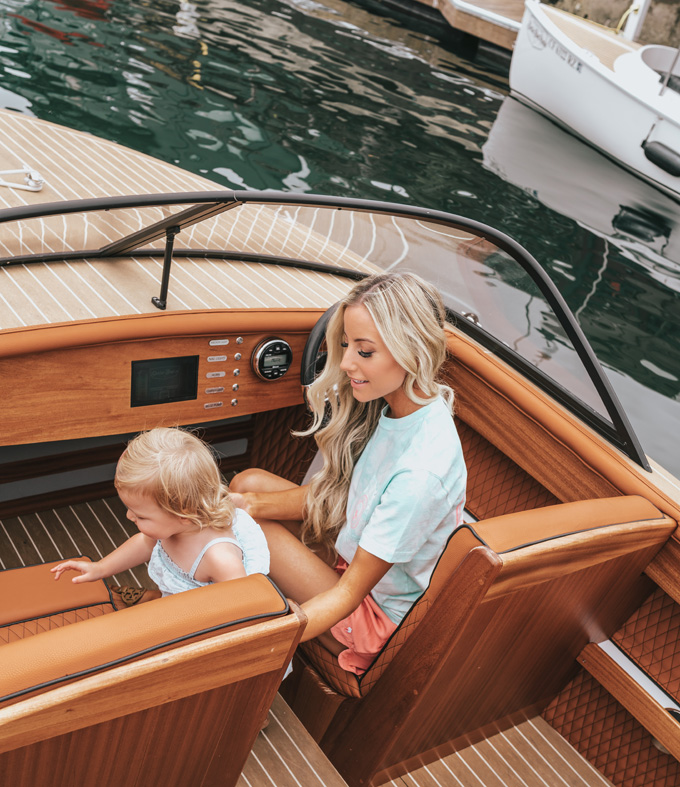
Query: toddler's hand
column 88, row 570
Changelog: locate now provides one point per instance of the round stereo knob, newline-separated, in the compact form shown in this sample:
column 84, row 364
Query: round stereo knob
column 271, row 359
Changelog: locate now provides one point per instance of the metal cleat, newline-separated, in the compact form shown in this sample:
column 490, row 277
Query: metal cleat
column 33, row 180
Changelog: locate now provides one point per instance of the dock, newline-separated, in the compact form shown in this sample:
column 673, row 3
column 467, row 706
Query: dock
column 494, row 21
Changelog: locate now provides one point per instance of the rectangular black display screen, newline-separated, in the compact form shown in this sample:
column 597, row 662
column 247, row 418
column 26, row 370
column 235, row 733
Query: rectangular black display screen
column 164, row 380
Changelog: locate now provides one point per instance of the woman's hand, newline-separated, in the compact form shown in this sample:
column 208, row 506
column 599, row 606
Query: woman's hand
column 264, row 495
column 333, row 605
column 241, row 500
column 89, row 572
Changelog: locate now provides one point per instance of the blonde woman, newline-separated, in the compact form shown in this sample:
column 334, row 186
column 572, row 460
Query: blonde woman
column 357, row 546
column 189, row 530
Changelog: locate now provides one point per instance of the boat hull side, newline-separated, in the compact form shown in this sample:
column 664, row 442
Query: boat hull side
column 570, row 86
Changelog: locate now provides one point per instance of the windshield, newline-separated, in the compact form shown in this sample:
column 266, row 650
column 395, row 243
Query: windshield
column 494, row 289
column 478, row 280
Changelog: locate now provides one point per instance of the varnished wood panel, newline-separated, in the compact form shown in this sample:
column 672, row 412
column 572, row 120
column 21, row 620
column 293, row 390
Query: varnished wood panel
column 82, row 392
column 199, row 740
column 175, row 674
column 665, row 569
column 511, row 655
column 654, row 718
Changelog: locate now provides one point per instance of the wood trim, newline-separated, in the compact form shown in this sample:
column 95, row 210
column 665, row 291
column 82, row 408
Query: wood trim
column 655, row 719
column 84, row 391
column 157, row 325
column 664, row 570
column 165, row 677
column 566, row 445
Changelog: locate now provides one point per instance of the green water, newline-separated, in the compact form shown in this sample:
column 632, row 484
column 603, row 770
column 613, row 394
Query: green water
column 342, row 98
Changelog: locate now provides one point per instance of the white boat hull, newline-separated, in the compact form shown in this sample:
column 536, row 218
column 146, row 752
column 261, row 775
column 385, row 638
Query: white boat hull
column 605, row 94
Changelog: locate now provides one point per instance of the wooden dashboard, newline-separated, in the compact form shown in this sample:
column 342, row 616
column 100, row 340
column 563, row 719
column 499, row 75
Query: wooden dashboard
column 108, row 377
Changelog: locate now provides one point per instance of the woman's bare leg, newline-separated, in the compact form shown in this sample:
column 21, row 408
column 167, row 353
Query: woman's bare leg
column 298, row 571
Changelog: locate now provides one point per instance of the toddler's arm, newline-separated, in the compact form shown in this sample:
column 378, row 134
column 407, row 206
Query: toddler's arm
column 220, row 563
column 133, row 552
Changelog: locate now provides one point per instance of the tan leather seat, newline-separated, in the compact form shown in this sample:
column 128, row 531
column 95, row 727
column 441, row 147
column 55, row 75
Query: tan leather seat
column 511, row 603
column 189, row 677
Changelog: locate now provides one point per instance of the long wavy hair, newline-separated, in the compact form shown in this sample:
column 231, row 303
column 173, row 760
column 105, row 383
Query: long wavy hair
column 178, row 471
column 409, row 316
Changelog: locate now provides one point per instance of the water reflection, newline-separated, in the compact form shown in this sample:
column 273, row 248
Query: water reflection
column 573, row 179
column 623, row 283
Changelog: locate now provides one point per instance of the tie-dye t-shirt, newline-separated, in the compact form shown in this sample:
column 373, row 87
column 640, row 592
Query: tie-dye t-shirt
column 406, row 498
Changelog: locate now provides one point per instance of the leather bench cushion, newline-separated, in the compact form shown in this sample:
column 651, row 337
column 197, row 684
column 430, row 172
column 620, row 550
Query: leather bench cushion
column 510, row 532
column 90, row 645
column 31, row 592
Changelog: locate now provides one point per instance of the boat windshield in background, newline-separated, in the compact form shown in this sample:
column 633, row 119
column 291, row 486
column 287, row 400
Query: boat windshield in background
column 494, row 289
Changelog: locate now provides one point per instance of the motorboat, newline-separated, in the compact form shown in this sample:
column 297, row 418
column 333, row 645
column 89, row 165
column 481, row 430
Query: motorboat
column 135, row 294
column 619, row 96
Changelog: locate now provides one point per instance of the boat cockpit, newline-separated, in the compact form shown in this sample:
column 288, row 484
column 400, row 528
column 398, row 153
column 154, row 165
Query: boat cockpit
column 206, row 309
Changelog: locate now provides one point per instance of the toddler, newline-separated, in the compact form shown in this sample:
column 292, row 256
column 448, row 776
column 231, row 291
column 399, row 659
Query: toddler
column 189, row 530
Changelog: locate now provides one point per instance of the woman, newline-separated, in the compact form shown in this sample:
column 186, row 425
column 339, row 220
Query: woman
column 357, row 546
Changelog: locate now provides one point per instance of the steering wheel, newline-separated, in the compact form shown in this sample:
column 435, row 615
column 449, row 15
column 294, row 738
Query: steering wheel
column 313, row 360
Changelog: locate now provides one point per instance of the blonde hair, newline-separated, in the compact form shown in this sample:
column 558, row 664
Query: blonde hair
column 410, row 317
column 178, row 471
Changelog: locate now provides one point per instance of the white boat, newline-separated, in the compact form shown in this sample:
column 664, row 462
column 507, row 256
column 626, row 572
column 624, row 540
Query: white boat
column 134, row 294
column 619, row 96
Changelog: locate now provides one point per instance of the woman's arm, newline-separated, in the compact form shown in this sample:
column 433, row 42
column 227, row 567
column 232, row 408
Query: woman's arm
column 325, row 596
column 331, row 606
column 279, row 505
column 133, row 552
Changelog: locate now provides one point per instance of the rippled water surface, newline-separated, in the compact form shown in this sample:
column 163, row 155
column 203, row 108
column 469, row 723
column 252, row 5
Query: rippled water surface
column 338, row 98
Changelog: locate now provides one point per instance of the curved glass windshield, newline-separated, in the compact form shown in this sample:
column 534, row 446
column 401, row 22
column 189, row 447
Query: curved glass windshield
column 479, row 281
column 495, row 290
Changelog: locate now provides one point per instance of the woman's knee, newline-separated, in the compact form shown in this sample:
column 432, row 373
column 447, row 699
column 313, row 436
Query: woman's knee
column 245, row 481
column 254, row 479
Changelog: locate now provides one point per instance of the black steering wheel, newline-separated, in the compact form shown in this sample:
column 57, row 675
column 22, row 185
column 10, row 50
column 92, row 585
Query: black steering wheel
column 313, row 360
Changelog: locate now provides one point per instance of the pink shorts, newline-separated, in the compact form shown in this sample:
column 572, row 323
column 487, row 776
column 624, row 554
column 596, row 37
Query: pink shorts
column 363, row 633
